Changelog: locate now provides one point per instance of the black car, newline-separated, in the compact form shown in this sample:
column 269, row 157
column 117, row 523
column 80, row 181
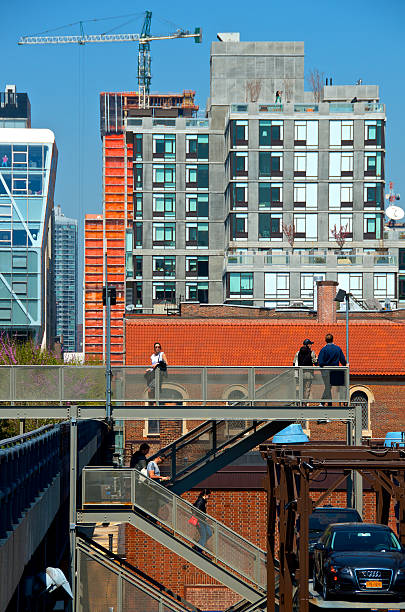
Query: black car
column 324, row 516
column 359, row 559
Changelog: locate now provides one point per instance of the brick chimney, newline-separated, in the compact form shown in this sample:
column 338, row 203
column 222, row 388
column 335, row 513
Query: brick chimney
column 326, row 306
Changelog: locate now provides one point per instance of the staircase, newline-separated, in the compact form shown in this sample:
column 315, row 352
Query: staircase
column 123, row 495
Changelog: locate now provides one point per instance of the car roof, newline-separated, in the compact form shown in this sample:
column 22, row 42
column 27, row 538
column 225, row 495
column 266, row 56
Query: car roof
column 333, row 508
column 359, row 526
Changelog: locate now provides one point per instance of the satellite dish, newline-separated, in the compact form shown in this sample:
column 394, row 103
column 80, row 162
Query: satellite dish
column 395, row 213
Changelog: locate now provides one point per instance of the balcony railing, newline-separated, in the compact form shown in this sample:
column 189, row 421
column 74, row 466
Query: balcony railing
column 296, row 260
column 199, row 385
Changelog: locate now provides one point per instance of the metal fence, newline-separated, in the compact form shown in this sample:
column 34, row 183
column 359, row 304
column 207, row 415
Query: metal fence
column 184, row 384
column 125, row 487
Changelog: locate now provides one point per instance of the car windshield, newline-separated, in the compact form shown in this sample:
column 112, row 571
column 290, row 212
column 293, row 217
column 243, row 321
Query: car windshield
column 318, row 521
column 364, row 540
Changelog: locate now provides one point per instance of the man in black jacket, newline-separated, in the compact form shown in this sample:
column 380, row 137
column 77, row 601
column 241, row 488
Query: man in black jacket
column 138, row 459
column 204, row 530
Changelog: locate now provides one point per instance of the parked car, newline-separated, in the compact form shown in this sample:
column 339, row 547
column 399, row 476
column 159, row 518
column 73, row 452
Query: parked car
column 359, row 559
column 324, row 516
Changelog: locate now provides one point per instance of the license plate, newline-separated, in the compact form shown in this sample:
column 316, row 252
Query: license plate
column 373, row 584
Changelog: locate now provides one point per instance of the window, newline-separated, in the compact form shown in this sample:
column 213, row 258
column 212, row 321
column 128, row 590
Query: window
column 276, row 289
column 138, row 266
column 402, row 259
column 164, row 266
column 164, row 146
column 239, row 164
column 270, row 164
column 137, row 294
column 239, row 195
column 197, row 267
column 401, row 286
column 306, row 164
column 307, row 282
column 306, row 133
column 137, row 206
column 270, row 195
column 305, row 195
column 197, row 176
column 374, row 133
column 138, row 234
column 138, row 176
column 240, row 284
column 164, row 292
column 384, row 285
column 164, row 176
column 358, row 398
column 341, row 133
column 164, row 235
column 341, row 164
column 197, row 205
column 239, row 226
column 164, row 205
column 270, row 133
column 373, row 164
column 340, row 195
column 270, row 226
column 19, row 288
column 341, row 221
column 153, row 427
column 19, row 261
column 240, row 133
column 305, row 227
column 373, row 195
column 373, row 225
column 197, row 235
column 197, row 146
column 351, row 283
column 197, row 292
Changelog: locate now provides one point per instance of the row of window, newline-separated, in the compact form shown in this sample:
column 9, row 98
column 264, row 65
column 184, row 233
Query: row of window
column 270, row 195
column 164, row 205
column 165, row 292
column 164, row 146
column 15, row 234
column 271, row 164
column 164, row 176
column 164, row 235
column 305, row 226
column 165, row 266
column 341, row 133
column 22, row 156
column 29, row 209
column 22, row 183
column 277, row 285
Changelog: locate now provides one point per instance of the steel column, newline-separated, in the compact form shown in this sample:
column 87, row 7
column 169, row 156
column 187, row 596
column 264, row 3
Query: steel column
column 357, row 478
column 107, row 342
column 73, row 503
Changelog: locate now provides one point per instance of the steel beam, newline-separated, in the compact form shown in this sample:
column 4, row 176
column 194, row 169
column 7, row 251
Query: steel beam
column 72, row 504
column 175, row 545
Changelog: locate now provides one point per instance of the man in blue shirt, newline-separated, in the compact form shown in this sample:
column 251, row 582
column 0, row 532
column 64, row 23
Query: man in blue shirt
column 331, row 355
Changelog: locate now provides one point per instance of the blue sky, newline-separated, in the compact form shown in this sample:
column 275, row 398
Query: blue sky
column 344, row 39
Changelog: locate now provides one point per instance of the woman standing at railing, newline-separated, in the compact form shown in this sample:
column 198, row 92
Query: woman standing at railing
column 158, row 360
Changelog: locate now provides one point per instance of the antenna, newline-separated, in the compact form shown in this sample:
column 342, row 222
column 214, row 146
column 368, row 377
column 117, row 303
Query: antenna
column 394, row 213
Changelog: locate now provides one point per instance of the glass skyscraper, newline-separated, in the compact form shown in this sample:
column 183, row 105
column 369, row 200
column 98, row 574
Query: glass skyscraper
column 65, row 278
column 28, row 160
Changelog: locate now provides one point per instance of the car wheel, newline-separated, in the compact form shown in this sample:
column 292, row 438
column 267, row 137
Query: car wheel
column 315, row 581
column 325, row 590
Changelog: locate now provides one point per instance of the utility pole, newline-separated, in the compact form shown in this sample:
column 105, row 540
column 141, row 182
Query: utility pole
column 109, row 299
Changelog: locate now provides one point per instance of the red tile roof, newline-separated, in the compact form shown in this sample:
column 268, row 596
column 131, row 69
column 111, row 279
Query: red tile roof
column 376, row 347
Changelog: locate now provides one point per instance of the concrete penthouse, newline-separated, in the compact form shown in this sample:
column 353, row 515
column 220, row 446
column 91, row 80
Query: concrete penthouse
column 274, row 189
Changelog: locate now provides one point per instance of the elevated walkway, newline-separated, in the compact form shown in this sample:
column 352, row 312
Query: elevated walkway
column 122, row 495
column 34, row 483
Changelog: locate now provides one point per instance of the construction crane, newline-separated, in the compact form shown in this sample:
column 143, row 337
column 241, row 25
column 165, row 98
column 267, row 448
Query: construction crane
column 144, row 39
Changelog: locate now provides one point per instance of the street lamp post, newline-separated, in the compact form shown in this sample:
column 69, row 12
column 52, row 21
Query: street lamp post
column 343, row 296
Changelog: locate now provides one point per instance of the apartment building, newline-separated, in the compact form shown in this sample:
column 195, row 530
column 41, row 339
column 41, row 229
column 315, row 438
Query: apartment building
column 28, row 160
column 251, row 204
column 65, row 278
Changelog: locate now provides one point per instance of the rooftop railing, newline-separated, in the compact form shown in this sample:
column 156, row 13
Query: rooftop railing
column 199, row 385
column 320, row 258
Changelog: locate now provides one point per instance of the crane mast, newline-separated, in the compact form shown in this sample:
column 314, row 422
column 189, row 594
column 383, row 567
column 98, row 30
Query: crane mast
column 144, row 56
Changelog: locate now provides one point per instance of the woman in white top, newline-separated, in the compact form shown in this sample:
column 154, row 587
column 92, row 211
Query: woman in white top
column 157, row 357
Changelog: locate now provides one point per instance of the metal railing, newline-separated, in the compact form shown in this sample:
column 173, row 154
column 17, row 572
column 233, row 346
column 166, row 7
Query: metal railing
column 124, row 586
column 192, row 384
column 126, row 487
column 296, row 260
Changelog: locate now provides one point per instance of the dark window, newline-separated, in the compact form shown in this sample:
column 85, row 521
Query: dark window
column 269, row 226
column 138, row 180
column 197, row 266
column 197, row 234
column 269, row 134
column 360, row 399
column 137, row 146
column 269, row 165
column 197, row 146
column 164, row 292
column 138, row 265
column 402, row 259
column 138, row 234
column 238, row 226
column 164, row 266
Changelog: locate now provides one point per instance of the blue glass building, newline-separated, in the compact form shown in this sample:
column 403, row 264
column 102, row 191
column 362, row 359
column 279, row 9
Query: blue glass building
column 28, row 160
column 64, row 247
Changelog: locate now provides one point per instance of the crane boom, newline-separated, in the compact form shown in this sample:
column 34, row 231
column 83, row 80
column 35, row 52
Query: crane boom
column 99, row 38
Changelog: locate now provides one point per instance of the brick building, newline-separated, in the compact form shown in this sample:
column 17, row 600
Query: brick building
column 243, row 336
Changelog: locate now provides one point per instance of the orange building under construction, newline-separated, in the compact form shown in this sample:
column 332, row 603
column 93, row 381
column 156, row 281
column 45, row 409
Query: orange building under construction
column 114, row 232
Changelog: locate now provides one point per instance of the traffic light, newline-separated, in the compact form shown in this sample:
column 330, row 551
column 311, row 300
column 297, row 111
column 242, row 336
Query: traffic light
column 113, row 296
